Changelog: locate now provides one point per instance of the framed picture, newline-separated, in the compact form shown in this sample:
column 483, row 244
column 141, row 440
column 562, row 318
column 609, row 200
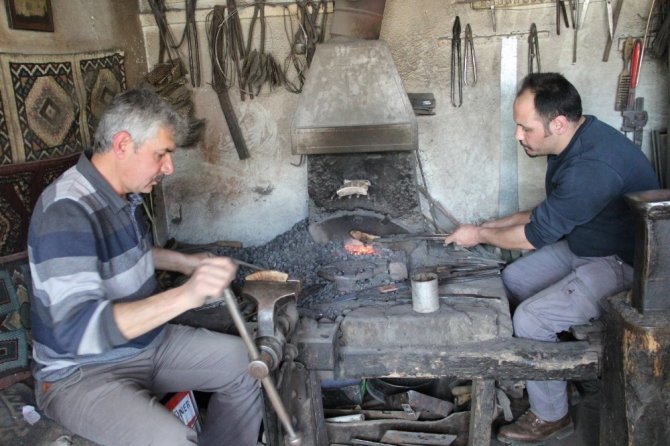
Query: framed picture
column 34, row 15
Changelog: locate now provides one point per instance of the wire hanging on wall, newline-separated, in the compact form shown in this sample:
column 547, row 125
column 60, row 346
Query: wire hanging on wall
column 167, row 42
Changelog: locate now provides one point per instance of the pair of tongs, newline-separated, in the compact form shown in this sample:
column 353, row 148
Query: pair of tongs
column 368, row 238
column 469, row 57
column 533, row 50
column 560, row 10
column 456, row 73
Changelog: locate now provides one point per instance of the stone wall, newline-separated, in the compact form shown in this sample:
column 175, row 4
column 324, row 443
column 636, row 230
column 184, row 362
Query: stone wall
column 213, row 195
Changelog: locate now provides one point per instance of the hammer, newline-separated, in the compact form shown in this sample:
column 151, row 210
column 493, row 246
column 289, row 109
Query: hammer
column 259, row 370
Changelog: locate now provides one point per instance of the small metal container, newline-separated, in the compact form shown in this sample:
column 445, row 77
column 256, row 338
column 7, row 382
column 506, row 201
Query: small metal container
column 425, row 298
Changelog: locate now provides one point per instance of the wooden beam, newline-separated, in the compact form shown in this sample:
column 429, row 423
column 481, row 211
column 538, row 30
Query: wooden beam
column 481, row 412
column 510, row 358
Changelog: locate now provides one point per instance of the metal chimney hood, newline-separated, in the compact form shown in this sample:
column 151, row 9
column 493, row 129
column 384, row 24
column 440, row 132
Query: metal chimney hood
column 353, row 101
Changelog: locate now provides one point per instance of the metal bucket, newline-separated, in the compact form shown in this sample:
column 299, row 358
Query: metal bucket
column 358, row 18
column 425, row 297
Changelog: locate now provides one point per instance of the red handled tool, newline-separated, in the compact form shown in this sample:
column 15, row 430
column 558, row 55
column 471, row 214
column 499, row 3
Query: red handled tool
column 634, row 72
column 635, row 117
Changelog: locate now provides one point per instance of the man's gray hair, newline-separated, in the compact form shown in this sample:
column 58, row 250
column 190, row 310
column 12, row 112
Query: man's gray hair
column 141, row 113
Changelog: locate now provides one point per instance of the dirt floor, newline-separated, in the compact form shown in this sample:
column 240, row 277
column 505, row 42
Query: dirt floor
column 15, row 431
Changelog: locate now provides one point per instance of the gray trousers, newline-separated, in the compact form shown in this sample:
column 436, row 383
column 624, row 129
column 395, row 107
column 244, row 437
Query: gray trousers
column 556, row 289
column 114, row 404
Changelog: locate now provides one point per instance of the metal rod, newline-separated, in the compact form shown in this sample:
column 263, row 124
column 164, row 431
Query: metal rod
column 644, row 42
column 270, row 389
column 248, row 265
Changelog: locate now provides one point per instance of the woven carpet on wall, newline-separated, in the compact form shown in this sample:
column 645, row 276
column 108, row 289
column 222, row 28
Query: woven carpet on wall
column 20, row 187
column 49, row 108
column 14, row 321
column 50, row 104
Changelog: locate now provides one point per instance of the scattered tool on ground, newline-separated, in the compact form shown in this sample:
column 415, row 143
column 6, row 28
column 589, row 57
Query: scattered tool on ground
column 456, row 65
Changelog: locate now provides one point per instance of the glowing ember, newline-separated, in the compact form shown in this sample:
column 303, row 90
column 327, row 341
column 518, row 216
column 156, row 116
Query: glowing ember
column 360, row 249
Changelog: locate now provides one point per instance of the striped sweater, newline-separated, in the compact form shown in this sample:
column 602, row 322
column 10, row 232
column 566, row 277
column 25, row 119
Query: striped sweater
column 88, row 247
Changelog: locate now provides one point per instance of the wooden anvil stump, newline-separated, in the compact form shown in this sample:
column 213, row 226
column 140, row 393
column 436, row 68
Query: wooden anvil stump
column 636, row 357
column 636, row 376
column 651, row 286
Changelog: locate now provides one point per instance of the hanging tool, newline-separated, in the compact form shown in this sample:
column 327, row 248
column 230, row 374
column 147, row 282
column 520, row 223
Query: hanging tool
column 623, row 84
column 634, row 71
column 469, row 56
column 456, row 65
column 573, row 9
column 634, row 117
column 634, row 121
column 493, row 16
column 612, row 19
column 560, row 10
column 646, row 34
column 575, row 24
column 582, row 17
column 221, row 47
column 533, row 50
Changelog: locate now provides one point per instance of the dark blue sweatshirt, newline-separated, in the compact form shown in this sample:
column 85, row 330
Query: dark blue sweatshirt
column 585, row 185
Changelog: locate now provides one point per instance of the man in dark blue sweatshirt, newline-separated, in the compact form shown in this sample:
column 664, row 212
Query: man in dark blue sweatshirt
column 581, row 235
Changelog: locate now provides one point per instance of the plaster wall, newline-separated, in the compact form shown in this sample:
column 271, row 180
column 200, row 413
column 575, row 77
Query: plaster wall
column 214, row 196
column 84, row 25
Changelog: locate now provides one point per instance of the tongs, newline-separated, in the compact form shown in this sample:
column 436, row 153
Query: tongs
column 533, row 50
column 560, row 10
column 393, row 238
column 469, row 56
column 456, row 73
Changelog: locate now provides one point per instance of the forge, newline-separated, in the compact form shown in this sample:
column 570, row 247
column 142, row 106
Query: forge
column 350, row 322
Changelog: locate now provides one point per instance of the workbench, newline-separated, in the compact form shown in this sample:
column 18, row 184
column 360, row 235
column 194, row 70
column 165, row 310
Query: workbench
column 469, row 337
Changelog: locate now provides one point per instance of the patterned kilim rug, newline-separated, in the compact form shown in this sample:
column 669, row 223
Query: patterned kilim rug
column 50, row 104
column 14, row 321
column 20, row 187
column 103, row 78
column 49, row 108
column 5, row 146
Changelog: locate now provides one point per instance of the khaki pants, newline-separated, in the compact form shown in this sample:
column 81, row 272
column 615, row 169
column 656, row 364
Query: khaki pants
column 114, row 404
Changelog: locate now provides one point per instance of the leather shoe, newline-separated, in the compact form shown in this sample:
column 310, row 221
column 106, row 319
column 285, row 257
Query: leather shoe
column 529, row 429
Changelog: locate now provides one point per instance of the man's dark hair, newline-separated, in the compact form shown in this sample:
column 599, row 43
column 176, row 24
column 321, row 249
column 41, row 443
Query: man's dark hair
column 554, row 96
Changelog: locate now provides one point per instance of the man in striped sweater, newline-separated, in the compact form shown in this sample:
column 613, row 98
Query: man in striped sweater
column 102, row 345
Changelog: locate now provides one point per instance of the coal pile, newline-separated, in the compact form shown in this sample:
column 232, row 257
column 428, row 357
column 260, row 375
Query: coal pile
column 392, row 176
column 293, row 252
column 297, row 254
